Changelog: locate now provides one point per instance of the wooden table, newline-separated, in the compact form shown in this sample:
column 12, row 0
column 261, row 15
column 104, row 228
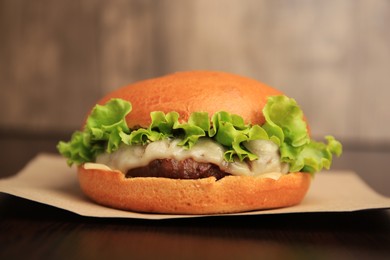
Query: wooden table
column 30, row 230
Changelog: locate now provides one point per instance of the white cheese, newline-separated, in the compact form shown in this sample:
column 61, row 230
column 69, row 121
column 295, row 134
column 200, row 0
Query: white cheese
column 205, row 150
column 96, row 166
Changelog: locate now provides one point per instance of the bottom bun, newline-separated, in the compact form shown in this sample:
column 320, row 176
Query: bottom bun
column 201, row 196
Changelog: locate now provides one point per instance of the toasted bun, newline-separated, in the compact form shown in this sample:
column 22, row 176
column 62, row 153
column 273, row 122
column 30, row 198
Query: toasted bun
column 202, row 196
column 187, row 92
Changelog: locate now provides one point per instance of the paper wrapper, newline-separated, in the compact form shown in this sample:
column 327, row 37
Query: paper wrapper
column 47, row 179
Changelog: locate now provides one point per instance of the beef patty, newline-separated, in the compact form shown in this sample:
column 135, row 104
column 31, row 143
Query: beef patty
column 174, row 169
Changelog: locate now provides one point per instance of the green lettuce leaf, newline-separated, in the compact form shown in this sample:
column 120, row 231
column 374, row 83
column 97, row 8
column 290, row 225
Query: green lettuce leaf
column 197, row 126
column 231, row 131
column 106, row 130
column 316, row 155
column 107, row 122
column 287, row 128
column 284, row 121
column 102, row 133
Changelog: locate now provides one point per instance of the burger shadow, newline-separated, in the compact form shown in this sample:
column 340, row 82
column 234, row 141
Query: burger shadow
column 228, row 236
column 281, row 235
column 218, row 236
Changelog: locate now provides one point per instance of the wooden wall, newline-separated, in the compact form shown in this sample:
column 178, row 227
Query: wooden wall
column 58, row 57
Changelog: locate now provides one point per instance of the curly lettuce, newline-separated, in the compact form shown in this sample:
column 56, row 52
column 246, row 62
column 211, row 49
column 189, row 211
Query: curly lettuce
column 106, row 130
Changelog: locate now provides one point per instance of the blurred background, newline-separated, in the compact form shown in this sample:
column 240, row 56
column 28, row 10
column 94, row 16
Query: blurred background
column 57, row 58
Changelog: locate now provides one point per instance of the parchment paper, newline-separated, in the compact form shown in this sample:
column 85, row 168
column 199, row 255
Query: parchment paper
column 48, row 180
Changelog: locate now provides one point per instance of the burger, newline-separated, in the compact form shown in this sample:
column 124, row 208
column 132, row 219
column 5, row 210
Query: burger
column 197, row 142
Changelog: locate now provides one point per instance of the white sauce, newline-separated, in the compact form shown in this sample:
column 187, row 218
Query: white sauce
column 205, row 150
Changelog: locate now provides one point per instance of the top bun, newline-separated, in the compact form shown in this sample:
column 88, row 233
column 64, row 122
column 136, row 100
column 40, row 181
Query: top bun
column 195, row 91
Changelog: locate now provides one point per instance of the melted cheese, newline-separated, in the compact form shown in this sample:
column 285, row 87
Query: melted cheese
column 205, row 150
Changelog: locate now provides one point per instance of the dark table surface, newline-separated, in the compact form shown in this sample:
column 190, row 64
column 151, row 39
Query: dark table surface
column 29, row 230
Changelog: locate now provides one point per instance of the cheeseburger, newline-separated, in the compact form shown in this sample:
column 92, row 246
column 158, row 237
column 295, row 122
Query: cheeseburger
column 197, row 142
